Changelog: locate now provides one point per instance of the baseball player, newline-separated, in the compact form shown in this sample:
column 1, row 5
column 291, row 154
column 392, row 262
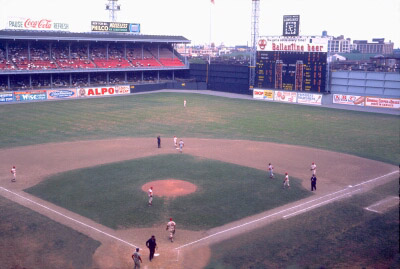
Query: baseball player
column 175, row 142
column 184, row 103
column 136, row 259
column 14, row 173
column 313, row 169
column 181, row 145
column 271, row 170
column 286, row 181
column 171, row 225
column 150, row 194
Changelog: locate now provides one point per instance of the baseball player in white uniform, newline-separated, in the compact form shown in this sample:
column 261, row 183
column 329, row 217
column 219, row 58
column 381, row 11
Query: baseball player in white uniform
column 184, row 103
column 286, row 181
column 271, row 170
column 14, row 173
column 175, row 142
column 150, row 194
column 181, row 145
column 171, row 226
column 313, row 169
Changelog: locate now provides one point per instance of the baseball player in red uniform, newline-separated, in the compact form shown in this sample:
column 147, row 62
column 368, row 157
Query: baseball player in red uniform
column 14, row 173
column 313, row 169
column 271, row 170
column 171, row 225
column 286, row 181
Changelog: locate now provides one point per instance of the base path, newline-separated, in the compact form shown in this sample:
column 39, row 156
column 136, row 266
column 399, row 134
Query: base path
column 335, row 172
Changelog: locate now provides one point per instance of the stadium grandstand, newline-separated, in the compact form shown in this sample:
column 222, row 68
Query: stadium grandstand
column 37, row 59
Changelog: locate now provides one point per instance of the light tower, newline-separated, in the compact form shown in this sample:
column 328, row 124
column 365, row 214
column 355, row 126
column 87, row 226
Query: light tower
column 255, row 13
column 112, row 6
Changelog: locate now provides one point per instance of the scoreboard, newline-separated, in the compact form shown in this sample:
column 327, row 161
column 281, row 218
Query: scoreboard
column 294, row 64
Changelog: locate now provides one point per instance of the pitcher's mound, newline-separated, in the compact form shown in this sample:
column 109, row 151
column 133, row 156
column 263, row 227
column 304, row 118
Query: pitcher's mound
column 170, row 187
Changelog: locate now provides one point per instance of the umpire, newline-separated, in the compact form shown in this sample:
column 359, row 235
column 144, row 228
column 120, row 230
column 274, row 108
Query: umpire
column 313, row 183
column 151, row 244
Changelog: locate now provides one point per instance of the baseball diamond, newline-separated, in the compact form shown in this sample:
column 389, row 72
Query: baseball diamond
column 106, row 161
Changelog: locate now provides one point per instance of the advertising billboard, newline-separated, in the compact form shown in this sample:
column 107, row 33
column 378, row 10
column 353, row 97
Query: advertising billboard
column 116, row 27
column 293, row 64
column 309, row 98
column 382, row 102
column 289, row 97
column 263, row 94
column 61, row 94
column 103, row 91
column 41, row 24
column 347, row 99
column 37, row 95
column 6, row 97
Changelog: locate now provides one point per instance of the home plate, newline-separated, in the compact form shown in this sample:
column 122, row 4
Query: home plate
column 156, row 254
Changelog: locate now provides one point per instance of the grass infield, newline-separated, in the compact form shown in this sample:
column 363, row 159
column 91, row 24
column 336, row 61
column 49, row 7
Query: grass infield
column 369, row 135
column 111, row 194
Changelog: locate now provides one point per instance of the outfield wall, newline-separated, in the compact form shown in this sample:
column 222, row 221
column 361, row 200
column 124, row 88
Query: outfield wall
column 379, row 84
column 326, row 99
column 87, row 92
column 222, row 77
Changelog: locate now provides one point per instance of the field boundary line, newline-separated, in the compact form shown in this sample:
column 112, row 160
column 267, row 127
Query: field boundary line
column 284, row 210
column 68, row 217
column 317, row 205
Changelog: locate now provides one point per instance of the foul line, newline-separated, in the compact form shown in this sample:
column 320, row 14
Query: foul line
column 284, row 210
column 316, row 205
column 65, row 216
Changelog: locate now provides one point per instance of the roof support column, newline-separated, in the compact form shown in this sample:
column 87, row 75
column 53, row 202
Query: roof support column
column 29, row 50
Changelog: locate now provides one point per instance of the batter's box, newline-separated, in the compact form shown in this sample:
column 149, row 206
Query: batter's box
column 384, row 205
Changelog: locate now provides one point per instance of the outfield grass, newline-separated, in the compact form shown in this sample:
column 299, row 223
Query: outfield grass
column 30, row 240
column 369, row 135
column 339, row 235
column 111, row 194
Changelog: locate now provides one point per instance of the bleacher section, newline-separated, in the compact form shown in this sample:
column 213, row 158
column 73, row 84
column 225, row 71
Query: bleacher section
column 51, row 59
column 42, row 56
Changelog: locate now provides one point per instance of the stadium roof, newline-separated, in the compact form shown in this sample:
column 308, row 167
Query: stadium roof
column 94, row 36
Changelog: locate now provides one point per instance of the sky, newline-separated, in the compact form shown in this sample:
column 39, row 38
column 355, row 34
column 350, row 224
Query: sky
column 226, row 21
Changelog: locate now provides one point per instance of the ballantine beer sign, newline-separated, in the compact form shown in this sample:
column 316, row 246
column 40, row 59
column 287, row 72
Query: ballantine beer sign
column 293, row 44
column 36, row 24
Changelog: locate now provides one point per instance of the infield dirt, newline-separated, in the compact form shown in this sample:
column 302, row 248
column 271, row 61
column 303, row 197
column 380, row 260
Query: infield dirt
column 335, row 171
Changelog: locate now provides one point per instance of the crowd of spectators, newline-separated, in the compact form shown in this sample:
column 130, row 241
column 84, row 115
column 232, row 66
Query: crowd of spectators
column 62, row 55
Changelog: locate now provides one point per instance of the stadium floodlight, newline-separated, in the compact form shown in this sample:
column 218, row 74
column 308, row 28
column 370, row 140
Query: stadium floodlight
column 112, row 6
column 254, row 39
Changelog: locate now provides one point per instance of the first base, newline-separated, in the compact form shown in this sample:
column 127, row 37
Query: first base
column 156, row 254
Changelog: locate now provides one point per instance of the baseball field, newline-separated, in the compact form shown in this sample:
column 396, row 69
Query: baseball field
column 83, row 168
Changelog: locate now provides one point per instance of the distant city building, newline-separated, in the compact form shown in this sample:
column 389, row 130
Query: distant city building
column 378, row 46
column 339, row 44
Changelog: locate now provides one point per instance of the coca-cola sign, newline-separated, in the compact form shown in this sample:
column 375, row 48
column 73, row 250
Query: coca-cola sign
column 36, row 24
column 42, row 24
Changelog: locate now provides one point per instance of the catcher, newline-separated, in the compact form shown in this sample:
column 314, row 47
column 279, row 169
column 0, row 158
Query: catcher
column 171, row 225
